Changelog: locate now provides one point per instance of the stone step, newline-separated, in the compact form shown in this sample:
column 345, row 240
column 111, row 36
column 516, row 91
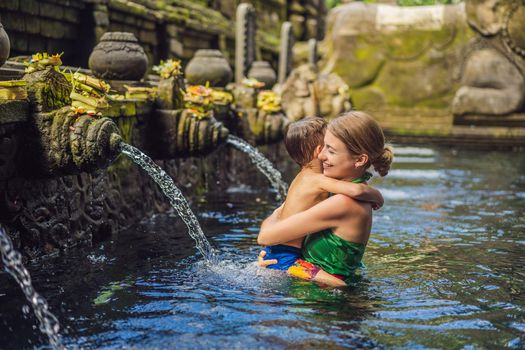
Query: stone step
column 512, row 120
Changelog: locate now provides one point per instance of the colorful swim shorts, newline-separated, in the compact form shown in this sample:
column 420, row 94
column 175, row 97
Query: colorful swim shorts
column 303, row 269
column 307, row 271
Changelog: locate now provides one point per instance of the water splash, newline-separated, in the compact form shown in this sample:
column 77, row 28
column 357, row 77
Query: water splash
column 262, row 163
column 12, row 259
column 175, row 196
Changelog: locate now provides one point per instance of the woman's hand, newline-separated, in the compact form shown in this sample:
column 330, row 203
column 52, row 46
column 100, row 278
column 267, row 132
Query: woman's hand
column 265, row 263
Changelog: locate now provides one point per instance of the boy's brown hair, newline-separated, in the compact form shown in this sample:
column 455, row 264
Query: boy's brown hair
column 303, row 137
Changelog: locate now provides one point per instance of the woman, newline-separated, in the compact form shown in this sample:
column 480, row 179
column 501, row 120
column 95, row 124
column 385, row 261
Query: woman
column 338, row 228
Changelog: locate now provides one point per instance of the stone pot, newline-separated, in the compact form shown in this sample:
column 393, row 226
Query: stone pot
column 208, row 66
column 118, row 56
column 4, row 45
column 262, row 71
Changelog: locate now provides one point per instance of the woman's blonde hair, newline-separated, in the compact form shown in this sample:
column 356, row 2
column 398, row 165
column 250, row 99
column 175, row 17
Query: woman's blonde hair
column 361, row 134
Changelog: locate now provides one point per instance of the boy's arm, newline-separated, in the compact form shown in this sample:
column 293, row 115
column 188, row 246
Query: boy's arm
column 360, row 192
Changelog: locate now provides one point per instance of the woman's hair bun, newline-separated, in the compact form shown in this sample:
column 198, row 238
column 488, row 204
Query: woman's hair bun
column 382, row 163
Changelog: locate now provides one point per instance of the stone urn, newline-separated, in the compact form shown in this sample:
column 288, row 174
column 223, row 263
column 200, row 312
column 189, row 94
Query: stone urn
column 4, row 45
column 262, row 71
column 118, row 56
column 208, row 66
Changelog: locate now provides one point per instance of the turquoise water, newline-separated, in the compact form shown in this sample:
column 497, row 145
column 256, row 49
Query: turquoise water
column 444, row 269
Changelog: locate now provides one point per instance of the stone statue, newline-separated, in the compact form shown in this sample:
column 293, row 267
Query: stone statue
column 493, row 80
column 307, row 92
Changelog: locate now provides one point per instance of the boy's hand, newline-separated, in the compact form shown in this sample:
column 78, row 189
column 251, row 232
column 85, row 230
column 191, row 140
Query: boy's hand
column 264, row 263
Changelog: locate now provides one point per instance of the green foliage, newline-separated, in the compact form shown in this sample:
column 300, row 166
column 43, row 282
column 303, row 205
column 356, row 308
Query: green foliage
column 333, row 3
column 426, row 2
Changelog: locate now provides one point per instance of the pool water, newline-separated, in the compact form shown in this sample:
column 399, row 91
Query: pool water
column 444, row 269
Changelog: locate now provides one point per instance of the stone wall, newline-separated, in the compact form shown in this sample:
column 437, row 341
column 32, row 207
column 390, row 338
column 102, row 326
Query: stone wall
column 396, row 58
column 46, row 216
column 56, row 189
column 175, row 28
column 48, row 25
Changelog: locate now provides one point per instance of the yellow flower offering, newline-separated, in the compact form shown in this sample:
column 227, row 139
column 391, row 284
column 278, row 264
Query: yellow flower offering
column 168, row 69
column 40, row 61
column 268, row 101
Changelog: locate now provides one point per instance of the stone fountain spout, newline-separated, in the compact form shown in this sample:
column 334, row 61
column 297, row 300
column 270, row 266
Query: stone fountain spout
column 177, row 133
column 62, row 142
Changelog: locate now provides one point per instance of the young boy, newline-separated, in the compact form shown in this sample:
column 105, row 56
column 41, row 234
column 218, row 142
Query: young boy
column 304, row 141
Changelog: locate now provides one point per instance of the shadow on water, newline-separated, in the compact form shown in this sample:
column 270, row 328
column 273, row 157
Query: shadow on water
column 443, row 270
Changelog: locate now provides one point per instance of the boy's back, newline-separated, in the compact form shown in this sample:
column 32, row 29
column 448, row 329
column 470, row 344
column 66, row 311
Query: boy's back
column 304, row 193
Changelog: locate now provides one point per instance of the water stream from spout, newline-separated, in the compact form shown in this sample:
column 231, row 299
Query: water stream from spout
column 262, row 163
column 175, row 196
column 12, row 260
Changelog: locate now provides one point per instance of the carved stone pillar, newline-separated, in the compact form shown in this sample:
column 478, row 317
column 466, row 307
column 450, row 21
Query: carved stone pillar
column 285, row 52
column 245, row 30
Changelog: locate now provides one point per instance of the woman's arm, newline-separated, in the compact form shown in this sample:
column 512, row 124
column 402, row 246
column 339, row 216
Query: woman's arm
column 361, row 192
column 273, row 218
column 326, row 214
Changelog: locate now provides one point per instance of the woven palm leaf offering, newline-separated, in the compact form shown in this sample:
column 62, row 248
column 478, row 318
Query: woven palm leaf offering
column 13, row 90
column 89, row 93
column 140, row 92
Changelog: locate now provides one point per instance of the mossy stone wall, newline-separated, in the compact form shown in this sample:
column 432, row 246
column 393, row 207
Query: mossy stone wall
column 412, row 66
column 175, row 28
column 47, row 25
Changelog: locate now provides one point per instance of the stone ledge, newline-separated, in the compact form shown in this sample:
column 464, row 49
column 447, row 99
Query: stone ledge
column 128, row 108
column 12, row 111
column 461, row 141
column 512, row 120
column 440, row 127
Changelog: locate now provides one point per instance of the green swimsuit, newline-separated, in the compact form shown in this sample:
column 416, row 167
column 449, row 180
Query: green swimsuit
column 330, row 252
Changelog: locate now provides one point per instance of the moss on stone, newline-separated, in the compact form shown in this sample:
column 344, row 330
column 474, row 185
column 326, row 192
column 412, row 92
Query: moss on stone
column 368, row 98
column 189, row 14
column 48, row 89
column 359, row 61
column 126, row 127
column 403, row 68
